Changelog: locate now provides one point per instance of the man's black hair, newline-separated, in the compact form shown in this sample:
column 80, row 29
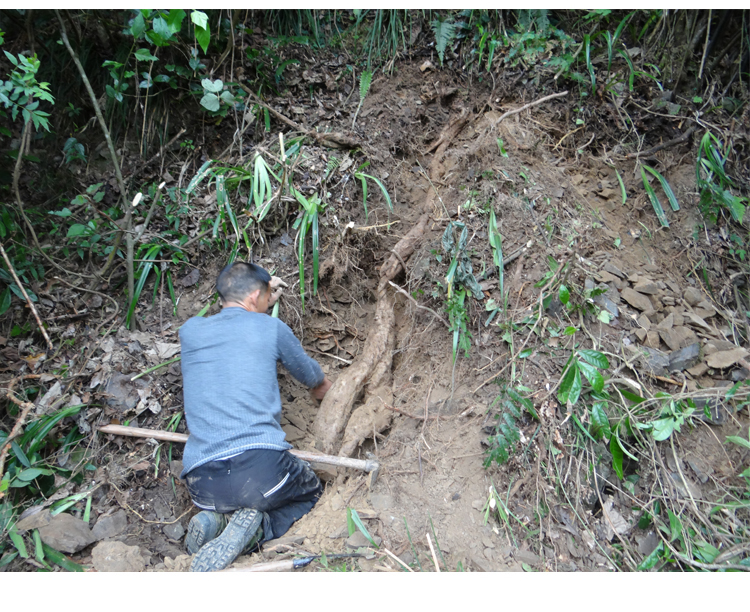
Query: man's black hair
column 240, row 279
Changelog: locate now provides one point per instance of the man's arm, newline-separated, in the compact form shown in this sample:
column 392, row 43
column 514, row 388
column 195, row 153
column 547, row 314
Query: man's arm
column 304, row 368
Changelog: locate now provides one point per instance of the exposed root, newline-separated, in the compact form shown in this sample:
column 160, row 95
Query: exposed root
column 374, row 365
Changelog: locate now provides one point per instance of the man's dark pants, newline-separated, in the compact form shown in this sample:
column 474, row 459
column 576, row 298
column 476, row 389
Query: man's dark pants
column 276, row 483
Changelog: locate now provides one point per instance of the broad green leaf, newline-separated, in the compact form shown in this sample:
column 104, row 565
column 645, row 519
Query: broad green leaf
column 200, row 19
column 32, row 473
column 5, row 301
column 570, row 387
column 174, row 20
column 350, row 526
column 212, row 86
column 563, row 295
column 210, row 102
column 161, row 27
column 617, row 456
column 138, row 27
column 595, row 358
column 599, row 422
column 662, row 428
column 593, row 376
column 570, row 330
column 203, row 37
column 144, row 55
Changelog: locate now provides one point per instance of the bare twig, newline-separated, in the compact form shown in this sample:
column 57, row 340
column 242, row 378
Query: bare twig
column 432, row 550
column 529, row 105
column 417, row 304
column 394, row 557
column 26, row 295
column 670, row 143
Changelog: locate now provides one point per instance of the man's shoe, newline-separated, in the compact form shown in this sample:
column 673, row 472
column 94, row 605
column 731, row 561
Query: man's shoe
column 242, row 532
column 203, row 528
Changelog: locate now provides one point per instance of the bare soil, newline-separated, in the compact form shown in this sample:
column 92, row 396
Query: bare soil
column 557, row 195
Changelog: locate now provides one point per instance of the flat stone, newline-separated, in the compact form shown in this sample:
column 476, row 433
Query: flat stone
column 641, row 334
column 726, row 359
column 670, row 339
column 175, row 531
column 692, row 296
column 526, row 556
column 613, row 269
column 358, row 540
column 605, row 277
column 122, row 392
column 636, row 300
column 648, row 544
column 652, row 268
column 684, row 358
column 678, row 319
column 666, row 323
column 114, row 556
column 110, row 526
column 696, row 320
column 35, row 518
column 674, row 287
column 698, row 370
column 740, row 374
column 66, row 533
column 652, row 339
column 646, row 286
column 705, row 309
column 653, row 360
column 605, row 303
column 644, row 322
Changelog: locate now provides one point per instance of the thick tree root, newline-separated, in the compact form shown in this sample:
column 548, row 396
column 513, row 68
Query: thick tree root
column 373, row 367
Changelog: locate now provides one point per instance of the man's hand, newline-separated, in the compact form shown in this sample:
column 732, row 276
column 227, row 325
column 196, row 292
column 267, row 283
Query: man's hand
column 277, row 286
column 320, row 391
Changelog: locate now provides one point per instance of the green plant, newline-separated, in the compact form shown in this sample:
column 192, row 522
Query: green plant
column 362, row 177
column 22, row 92
column 353, row 522
column 507, row 434
column 496, row 243
column 581, row 361
column 714, row 183
column 445, row 31
column 308, row 221
column 365, row 80
column 652, row 194
column 458, row 319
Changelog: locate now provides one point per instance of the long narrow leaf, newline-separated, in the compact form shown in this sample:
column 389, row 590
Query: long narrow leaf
column 654, row 200
column 496, row 242
column 622, row 187
column 587, row 48
column 364, row 193
column 315, row 238
column 666, row 187
column 202, row 172
column 382, row 188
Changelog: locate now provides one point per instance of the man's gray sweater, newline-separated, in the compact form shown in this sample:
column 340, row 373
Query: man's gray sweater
column 231, row 393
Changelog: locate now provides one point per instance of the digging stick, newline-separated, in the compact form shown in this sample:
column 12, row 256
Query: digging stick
column 366, row 465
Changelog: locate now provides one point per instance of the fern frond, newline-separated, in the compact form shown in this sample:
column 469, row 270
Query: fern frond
column 333, row 163
column 445, row 33
column 364, row 85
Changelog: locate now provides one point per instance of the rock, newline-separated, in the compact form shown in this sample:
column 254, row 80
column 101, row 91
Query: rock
column 646, row 286
column 726, row 359
column 705, row 310
column 648, row 544
column 653, row 360
column 478, row 504
column 612, row 269
column 684, row 358
column 175, row 468
column 666, row 323
column 644, row 322
column 358, row 540
column 605, row 277
column 526, row 556
column 740, row 374
column 695, row 319
column 110, row 526
column 606, row 304
column 670, row 339
column 113, row 556
column 66, row 533
column 698, row 370
column 636, row 300
column 33, row 518
column 652, row 340
column 175, row 531
column 692, row 296
column 711, row 410
column 641, row 334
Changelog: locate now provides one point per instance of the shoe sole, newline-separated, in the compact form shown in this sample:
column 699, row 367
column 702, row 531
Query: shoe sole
column 220, row 552
column 197, row 535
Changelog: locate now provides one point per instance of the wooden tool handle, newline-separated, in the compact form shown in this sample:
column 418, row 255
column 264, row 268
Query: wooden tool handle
column 169, row 436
